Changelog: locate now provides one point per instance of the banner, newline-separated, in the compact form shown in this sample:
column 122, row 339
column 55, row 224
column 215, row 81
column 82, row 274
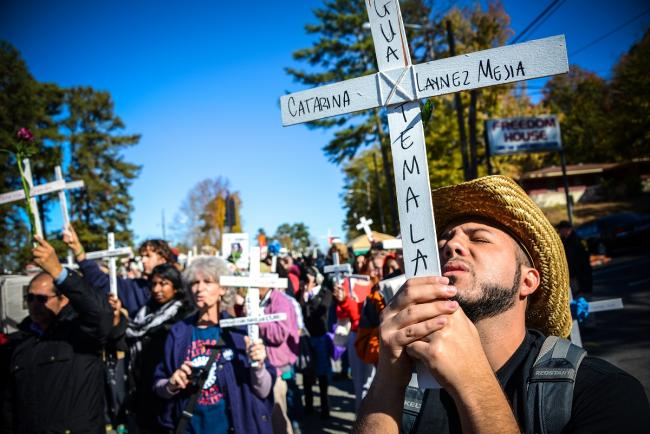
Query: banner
column 516, row 135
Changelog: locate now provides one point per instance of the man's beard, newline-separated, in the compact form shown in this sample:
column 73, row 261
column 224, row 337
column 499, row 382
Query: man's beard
column 493, row 300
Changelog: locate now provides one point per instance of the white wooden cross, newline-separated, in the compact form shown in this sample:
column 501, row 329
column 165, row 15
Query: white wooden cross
column 337, row 268
column 111, row 254
column 253, row 282
column 58, row 186
column 394, row 244
column 365, row 224
column 63, row 204
column 594, row 306
column 399, row 86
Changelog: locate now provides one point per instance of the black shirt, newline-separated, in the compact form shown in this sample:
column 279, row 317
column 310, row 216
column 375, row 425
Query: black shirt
column 315, row 312
column 605, row 398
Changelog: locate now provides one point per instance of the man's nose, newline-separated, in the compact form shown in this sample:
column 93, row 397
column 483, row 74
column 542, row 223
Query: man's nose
column 454, row 247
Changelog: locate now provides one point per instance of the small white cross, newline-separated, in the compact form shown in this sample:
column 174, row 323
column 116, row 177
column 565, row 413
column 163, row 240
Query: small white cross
column 337, row 268
column 63, row 204
column 365, row 225
column 253, row 282
column 59, row 185
column 594, row 306
column 111, row 254
column 394, row 244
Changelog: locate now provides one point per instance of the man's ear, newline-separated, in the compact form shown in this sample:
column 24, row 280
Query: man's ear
column 64, row 300
column 529, row 281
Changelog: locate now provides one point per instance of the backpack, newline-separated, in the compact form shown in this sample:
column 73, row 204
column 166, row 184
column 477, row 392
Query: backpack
column 549, row 390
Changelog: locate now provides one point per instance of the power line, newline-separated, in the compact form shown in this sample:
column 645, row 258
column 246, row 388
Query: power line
column 543, row 20
column 611, row 32
column 539, row 17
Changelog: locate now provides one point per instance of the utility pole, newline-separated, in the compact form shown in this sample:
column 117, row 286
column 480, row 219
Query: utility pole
column 487, row 148
column 565, row 181
column 473, row 140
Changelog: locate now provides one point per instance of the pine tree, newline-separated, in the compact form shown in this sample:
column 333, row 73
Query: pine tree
column 24, row 102
column 92, row 132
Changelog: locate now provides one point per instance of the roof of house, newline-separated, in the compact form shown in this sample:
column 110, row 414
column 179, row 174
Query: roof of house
column 571, row 169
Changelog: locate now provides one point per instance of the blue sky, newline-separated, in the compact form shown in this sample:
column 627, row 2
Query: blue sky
column 200, row 80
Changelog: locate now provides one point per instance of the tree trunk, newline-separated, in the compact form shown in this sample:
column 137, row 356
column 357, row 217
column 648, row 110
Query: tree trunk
column 473, row 140
column 379, row 204
column 388, row 174
column 460, row 116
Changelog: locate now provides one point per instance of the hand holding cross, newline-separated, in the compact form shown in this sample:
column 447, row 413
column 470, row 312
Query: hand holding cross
column 71, row 238
column 45, row 257
column 253, row 282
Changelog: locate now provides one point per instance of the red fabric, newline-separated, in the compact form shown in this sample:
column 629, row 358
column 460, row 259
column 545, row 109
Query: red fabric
column 349, row 308
column 361, row 289
column 295, row 282
column 295, row 270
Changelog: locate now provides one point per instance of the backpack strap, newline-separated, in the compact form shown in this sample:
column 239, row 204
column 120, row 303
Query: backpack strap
column 413, row 399
column 199, row 380
column 550, row 386
column 201, row 376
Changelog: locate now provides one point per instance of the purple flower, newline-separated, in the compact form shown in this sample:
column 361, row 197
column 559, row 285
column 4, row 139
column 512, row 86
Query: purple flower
column 25, row 134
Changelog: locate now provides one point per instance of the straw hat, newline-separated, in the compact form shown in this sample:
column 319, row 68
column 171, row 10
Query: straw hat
column 501, row 200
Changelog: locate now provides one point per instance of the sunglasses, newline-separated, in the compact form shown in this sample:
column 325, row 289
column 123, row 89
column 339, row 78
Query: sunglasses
column 29, row 298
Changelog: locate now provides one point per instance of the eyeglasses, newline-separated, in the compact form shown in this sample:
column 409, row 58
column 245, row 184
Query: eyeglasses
column 29, row 298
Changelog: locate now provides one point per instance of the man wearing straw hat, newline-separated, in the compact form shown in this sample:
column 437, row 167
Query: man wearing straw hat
column 479, row 327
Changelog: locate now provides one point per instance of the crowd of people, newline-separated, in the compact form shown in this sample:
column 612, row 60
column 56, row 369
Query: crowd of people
column 153, row 358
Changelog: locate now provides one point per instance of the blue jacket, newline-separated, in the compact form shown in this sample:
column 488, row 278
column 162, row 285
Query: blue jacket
column 133, row 293
column 248, row 412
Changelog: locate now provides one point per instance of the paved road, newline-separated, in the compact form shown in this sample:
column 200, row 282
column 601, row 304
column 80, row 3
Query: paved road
column 621, row 337
column 341, row 410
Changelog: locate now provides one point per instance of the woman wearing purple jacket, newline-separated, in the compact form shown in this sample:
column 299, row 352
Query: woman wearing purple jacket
column 235, row 397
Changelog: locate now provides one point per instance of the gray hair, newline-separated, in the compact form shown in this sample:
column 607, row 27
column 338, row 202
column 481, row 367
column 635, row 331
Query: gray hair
column 212, row 267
